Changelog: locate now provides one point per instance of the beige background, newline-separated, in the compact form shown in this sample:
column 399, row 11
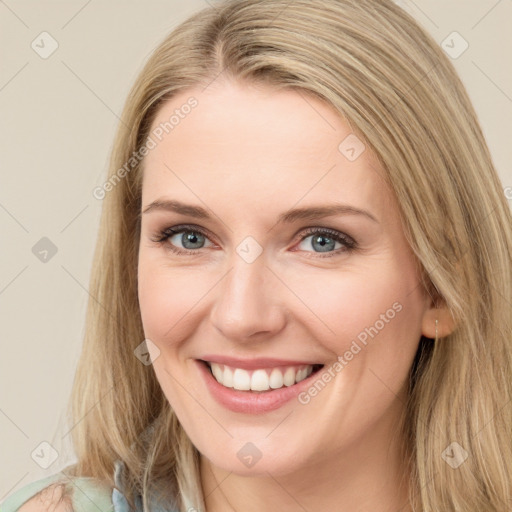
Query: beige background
column 58, row 120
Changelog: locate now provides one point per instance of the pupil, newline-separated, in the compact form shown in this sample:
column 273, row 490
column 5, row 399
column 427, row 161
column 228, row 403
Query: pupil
column 190, row 238
column 323, row 246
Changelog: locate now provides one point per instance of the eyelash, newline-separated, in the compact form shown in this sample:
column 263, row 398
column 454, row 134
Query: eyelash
column 163, row 235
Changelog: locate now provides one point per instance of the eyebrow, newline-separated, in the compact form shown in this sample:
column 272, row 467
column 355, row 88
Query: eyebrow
column 292, row 215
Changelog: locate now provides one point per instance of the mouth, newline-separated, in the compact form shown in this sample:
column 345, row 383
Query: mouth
column 260, row 380
column 255, row 386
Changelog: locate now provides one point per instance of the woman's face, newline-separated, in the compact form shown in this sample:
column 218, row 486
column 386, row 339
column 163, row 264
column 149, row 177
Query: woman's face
column 288, row 253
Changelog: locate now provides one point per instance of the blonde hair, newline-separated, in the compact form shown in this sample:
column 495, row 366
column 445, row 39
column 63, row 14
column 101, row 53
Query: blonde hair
column 401, row 95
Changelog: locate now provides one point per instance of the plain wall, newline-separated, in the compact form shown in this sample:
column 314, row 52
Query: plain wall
column 58, row 118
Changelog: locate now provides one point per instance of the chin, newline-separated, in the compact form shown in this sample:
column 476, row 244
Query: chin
column 260, row 457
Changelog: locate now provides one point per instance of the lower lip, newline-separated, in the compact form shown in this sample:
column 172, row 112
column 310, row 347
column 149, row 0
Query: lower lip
column 251, row 402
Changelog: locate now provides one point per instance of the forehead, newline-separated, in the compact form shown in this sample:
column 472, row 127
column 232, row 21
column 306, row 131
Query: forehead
column 265, row 148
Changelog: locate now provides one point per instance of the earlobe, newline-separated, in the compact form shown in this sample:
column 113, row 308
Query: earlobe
column 437, row 319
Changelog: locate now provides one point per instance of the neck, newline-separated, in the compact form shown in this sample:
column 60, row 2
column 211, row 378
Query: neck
column 369, row 475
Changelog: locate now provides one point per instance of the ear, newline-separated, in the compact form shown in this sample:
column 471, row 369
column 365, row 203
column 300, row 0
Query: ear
column 445, row 322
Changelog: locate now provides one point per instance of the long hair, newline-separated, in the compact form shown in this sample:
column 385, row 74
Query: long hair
column 392, row 83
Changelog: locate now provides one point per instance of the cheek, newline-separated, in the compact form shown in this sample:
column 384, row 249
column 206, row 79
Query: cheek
column 380, row 305
column 174, row 302
column 167, row 298
column 371, row 322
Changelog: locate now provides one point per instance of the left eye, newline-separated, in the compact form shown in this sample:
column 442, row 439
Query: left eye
column 191, row 238
column 320, row 241
column 325, row 240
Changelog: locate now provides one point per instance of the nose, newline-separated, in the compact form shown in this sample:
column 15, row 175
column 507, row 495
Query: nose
column 248, row 306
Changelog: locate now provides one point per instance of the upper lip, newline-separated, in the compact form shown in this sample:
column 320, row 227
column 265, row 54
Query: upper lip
column 255, row 362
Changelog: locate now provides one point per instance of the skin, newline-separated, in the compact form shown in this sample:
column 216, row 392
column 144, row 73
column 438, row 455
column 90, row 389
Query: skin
column 247, row 154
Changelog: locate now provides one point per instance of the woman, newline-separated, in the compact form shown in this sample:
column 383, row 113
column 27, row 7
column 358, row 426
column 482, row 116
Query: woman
column 229, row 363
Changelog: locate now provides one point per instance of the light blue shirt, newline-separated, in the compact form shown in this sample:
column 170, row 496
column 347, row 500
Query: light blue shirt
column 88, row 495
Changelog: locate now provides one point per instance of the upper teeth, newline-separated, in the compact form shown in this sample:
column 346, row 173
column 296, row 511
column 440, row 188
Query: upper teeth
column 261, row 379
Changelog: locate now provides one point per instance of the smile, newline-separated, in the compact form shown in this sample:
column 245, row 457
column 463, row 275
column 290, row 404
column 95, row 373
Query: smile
column 255, row 386
column 260, row 379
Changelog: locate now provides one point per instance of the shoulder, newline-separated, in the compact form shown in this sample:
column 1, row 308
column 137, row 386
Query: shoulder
column 59, row 493
column 53, row 498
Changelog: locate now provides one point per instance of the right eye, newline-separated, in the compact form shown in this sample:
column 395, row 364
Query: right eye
column 191, row 238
